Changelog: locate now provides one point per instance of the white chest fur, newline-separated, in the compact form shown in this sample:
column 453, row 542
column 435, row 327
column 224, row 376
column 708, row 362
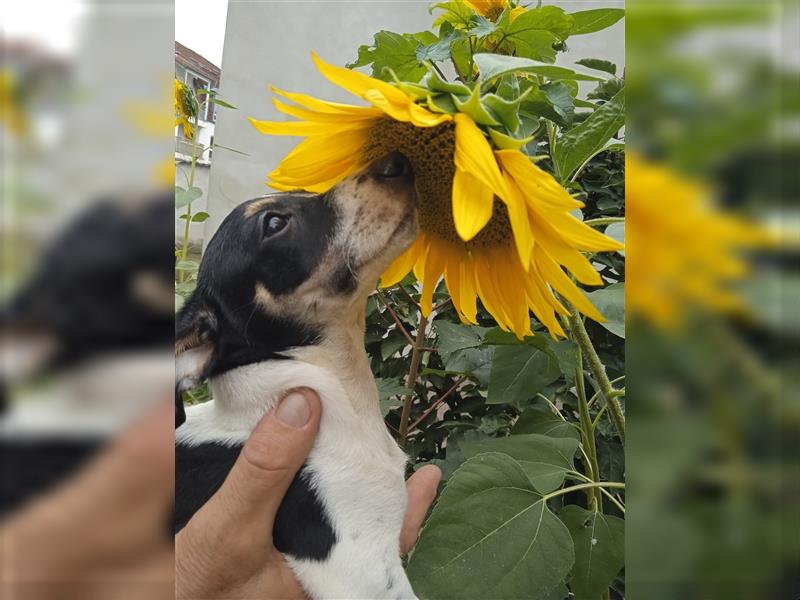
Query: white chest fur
column 355, row 466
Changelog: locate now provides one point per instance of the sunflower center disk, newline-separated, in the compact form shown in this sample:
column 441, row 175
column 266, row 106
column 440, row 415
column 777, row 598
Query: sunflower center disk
column 430, row 150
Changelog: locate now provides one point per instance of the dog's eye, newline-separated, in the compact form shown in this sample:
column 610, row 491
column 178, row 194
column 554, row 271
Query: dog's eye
column 274, row 224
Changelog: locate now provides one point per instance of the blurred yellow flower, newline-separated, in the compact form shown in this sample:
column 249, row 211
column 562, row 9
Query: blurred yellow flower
column 492, row 223
column 12, row 112
column 185, row 108
column 681, row 252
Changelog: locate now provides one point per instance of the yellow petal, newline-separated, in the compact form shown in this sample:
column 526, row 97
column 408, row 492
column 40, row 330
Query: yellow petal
column 318, row 105
column 564, row 286
column 365, row 114
column 433, row 268
column 518, row 216
column 358, row 83
column 472, row 205
column 474, row 155
column 300, row 128
column 402, row 265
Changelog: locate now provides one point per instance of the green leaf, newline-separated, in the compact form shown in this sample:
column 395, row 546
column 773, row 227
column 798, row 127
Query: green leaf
column 566, row 353
column 456, row 12
column 544, row 422
column 184, row 197
column 519, row 372
column 495, row 65
column 389, row 391
column 440, row 50
column 490, row 535
column 583, row 141
column 534, row 33
column 391, row 345
column 189, row 266
column 599, row 542
column 482, row 26
column 473, row 107
column 200, row 217
column 552, row 101
column 589, row 21
column 610, row 301
column 220, row 102
column 392, row 52
column 452, row 336
column 545, row 460
column 598, row 65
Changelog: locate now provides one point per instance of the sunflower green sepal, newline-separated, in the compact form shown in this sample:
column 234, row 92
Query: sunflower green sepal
column 506, row 110
column 415, row 90
column 437, row 84
column 507, row 142
column 442, row 103
column 474, row 108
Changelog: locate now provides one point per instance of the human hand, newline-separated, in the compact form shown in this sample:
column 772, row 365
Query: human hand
column 240, row 516
column 104, row 532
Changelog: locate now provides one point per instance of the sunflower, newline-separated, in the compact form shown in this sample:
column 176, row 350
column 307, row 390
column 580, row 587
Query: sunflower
column 12, row 110
column 185, row 108
column 495, row 225
column 689, row 256
column 492, row 9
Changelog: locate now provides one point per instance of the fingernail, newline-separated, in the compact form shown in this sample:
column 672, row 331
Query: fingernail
column 293, row 410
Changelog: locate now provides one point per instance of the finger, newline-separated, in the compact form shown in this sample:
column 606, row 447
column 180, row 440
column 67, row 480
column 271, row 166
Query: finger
column 279, row 445
column 421, row 487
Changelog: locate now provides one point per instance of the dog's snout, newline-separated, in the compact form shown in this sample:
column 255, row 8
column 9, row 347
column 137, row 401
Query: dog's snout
column 392, row 166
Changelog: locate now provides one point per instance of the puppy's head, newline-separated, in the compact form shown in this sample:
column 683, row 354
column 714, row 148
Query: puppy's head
column 282, row 268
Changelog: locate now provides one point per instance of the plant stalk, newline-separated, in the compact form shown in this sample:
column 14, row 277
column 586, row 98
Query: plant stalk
column 188, row 213
column 411, row 378
column 581, row 337
column 593, row 496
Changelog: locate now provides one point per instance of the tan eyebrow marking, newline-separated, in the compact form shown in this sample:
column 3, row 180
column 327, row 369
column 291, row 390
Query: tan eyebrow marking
column 258, row 205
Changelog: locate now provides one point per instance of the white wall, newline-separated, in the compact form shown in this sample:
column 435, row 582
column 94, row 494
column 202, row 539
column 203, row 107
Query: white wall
column 269, row 43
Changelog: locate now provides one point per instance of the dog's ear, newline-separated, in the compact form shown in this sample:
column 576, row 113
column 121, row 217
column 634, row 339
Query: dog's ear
column 195, row 335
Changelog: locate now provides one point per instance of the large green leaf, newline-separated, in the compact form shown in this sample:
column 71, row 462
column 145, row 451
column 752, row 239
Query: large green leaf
column 452, row 336
column 392, row 52
column 519, row 372
column 490, row 535
column 544, row 459
column 598, row 65
column 495, row 65
column 544, row 422
column 534, row 32
column 599, row 550
column 583, row 141
column 589, row 21
column 184, row 197
column 389, row 392
column 610, row 301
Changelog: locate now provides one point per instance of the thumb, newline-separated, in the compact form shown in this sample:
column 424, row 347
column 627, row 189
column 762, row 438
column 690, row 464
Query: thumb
column 268, row 462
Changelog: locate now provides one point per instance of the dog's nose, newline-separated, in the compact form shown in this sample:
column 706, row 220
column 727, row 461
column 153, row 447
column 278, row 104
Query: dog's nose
column 392, row 166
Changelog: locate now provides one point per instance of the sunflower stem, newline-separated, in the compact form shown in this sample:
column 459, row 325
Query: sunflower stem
column 411, row 379
column 593, row 497
column 188, row 213
column 581, row 337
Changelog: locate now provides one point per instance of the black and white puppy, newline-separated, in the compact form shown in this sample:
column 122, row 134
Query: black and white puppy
column 280, row 304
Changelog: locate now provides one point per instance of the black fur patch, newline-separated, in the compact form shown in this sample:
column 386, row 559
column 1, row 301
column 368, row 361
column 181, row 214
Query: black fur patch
column 35, row 466
column 302, row 529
